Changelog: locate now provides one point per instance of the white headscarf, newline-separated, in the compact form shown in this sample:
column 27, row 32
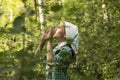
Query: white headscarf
column 72, row 35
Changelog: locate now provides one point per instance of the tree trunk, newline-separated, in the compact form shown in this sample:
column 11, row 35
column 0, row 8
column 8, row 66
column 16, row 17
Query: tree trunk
column 11, row 14
column 42, row 27
column 105, row 16
column 41, row 15
column 35, row 5
column 63, row 10
column 22, row 61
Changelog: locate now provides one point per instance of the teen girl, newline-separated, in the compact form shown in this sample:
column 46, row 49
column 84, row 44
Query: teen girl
column 59, row 57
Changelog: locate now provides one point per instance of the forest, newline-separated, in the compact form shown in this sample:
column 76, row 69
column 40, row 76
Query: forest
column 21, row 26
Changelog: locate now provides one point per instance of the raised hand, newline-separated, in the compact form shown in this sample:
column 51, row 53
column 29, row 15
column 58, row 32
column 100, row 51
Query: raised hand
column 51, row 32
column 47, row 35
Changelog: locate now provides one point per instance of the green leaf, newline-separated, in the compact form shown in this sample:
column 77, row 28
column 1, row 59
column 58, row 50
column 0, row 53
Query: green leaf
column 24, row 1
column 18, row 24
column 56, row 7
column 1, row 13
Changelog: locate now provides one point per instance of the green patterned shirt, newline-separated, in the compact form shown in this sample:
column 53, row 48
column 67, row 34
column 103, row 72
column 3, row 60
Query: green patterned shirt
column 60, row 63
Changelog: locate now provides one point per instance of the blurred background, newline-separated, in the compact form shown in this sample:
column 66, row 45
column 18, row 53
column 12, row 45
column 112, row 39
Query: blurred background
column 22, row 23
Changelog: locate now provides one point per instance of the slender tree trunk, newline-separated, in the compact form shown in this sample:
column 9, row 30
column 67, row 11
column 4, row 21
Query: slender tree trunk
column 11, row 14
column 41, row 15
column 105, row 17
column 22, row 60
column 42, row 27
column 36, row 12
column 63, row 10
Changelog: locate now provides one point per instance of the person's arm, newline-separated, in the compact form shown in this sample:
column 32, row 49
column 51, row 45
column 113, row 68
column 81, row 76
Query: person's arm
column 49, row 51
column 49, row 45
column 44, row 38
column 40, row 46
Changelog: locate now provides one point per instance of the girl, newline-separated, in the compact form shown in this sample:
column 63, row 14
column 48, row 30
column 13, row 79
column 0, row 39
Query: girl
column 59, row 58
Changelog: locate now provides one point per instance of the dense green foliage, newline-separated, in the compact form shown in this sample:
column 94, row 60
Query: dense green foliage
column 99, row 31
